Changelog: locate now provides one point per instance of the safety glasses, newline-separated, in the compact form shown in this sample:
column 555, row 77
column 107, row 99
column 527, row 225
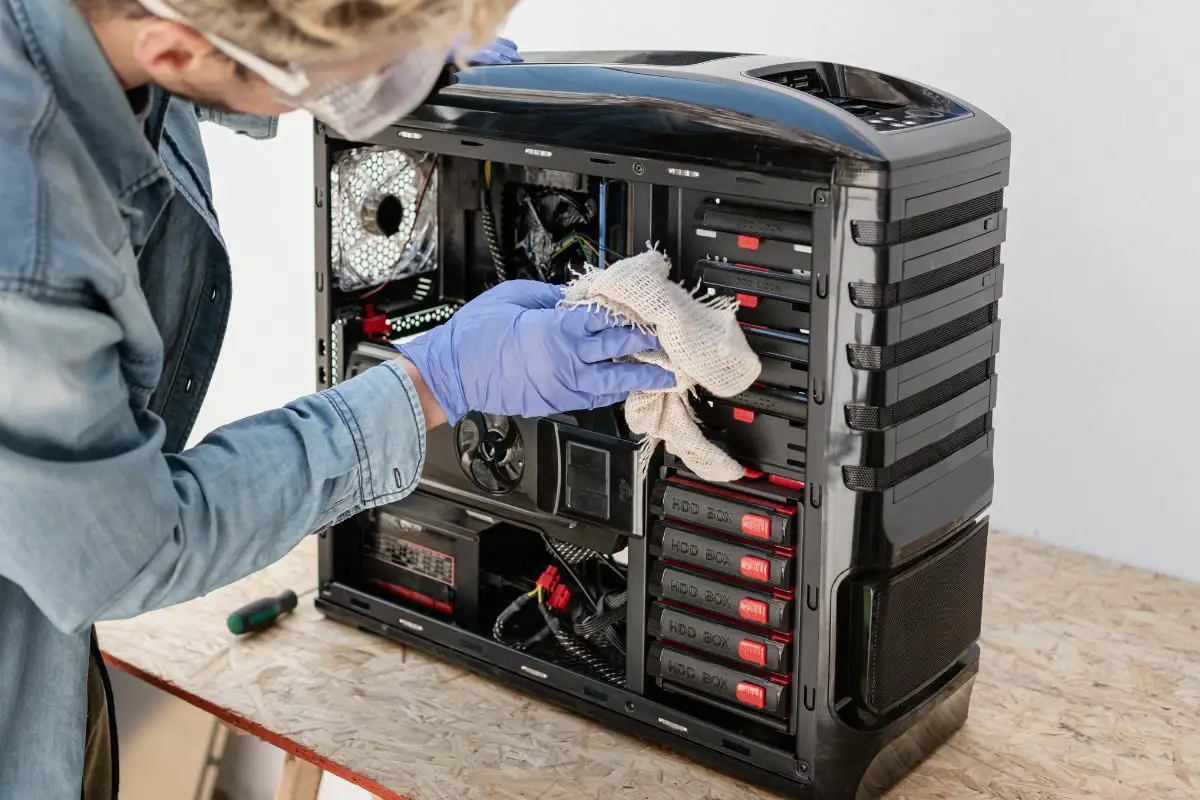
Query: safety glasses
column 358, row 99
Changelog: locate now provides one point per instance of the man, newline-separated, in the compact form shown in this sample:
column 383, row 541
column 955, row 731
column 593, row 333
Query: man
column 114, row 291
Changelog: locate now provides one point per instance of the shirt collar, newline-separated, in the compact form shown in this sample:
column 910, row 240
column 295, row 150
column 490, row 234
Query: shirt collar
column 125, row 149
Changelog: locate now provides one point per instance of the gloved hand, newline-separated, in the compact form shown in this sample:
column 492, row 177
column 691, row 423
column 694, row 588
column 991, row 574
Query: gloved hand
column 500, row 51
column 510, row 351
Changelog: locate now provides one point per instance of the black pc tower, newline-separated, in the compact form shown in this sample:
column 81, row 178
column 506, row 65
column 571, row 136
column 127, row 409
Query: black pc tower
column 812, row 627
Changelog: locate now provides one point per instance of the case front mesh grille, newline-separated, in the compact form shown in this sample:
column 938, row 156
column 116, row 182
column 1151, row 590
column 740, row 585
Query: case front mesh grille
column 924, row 619
column 878, row 479
column 866, row 356
column 878, row 295
column 878, row 418
column 886, row 234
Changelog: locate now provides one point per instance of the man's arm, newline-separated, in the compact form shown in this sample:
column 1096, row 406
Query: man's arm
column 95, row 522
column 434, row 414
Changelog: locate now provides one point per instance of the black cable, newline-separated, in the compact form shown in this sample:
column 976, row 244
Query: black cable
column 601, row 628
column 615, row 612
column 505, row 615
column 489, row 233
column 537, row 637
column 581, row 655
column 571, row 553
column 577, row 651
column 620, row 573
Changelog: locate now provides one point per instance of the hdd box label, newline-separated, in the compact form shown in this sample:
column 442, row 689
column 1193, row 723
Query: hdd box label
column 673, row 625
column 683, row 587
column 738, row 688
column 717, row 555
column 740, row 517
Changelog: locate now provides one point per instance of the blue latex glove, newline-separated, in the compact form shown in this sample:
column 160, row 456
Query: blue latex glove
column 500, row 51
column 510, row 351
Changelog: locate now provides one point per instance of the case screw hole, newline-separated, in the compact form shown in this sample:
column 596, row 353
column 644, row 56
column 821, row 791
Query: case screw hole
column 821, row 197
column 630, row 706
column 639, row 169
column 803, row 766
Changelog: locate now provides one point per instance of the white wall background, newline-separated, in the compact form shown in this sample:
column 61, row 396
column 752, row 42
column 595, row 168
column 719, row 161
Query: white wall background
column 1097, row 433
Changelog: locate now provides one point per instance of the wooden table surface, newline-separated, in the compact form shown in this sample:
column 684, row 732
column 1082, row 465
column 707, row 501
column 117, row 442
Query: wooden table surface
column 1089, row 687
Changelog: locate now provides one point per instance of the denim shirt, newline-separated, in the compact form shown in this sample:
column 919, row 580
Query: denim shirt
column 114, row 294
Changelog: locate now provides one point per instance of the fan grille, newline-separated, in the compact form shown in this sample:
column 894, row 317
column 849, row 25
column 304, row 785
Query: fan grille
column 491, row 452
column 383, row 216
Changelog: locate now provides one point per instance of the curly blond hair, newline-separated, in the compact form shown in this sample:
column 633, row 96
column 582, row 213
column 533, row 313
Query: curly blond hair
column 321, row 31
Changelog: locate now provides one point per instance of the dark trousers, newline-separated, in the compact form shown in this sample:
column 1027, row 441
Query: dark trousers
column 100, row 740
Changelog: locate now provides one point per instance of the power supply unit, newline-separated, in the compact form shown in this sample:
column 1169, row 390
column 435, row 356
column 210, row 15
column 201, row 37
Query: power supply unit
column 812, row 627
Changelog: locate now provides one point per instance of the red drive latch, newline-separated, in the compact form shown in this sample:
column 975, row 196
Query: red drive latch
column 754, row 610
column 756, row 525
column 559, row 599
column 375, row 324
column 752, row 651
column 756, row 569
column 747, row 300
column 549, row 579
column 751, row 694
column 743, row 415
column 786, row 483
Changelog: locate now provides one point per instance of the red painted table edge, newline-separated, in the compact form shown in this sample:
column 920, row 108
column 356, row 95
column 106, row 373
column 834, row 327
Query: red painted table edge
column 252, row 727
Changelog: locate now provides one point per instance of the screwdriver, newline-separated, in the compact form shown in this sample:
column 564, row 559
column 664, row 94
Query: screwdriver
column 260, row 614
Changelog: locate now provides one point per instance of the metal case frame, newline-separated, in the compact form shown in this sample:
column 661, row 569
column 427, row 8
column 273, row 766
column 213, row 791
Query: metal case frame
column 840, row 749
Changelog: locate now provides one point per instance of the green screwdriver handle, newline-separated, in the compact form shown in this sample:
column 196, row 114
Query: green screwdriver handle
column 260, row 614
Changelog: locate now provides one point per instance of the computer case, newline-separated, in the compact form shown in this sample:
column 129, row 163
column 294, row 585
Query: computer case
column 812, row 627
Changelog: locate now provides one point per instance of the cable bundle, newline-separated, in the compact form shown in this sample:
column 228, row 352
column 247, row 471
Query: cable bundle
column 586, row 623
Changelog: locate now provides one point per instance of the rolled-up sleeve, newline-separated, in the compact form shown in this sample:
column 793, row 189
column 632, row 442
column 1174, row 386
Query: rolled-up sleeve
column 96, row 522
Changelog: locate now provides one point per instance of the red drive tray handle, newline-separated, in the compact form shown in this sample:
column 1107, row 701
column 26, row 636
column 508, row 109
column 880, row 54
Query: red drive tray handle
column 725, row 511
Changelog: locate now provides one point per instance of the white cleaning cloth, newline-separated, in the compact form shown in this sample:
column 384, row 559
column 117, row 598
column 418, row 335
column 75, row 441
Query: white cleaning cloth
column 701, row 343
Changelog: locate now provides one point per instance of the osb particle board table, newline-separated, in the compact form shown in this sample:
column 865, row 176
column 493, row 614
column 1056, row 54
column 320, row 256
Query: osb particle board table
column 1089, row 687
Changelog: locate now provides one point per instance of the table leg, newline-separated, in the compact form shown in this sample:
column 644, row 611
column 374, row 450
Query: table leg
column 299, row 780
